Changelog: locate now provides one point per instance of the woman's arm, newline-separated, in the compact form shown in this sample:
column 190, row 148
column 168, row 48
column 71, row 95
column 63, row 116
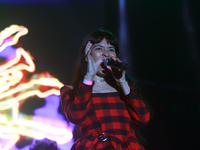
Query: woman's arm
column 137, row 109
column 125, row 87
column 76, row 105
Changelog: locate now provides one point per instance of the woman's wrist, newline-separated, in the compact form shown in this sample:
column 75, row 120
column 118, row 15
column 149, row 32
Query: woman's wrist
column 120, row 80
column 89, row 77
column 125, row 87
column 87, row 82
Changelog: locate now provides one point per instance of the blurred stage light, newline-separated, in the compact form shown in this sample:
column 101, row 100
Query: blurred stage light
column 123, row 33
column 15, row 88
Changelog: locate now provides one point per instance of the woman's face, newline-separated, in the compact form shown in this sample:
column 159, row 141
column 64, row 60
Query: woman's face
column 102, row 51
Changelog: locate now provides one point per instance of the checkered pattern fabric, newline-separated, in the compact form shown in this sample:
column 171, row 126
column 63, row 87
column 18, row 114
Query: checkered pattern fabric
column 105, row 119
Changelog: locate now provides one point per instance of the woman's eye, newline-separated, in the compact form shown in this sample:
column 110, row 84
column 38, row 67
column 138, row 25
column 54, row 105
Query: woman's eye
column 98, row 48
column 112, row 50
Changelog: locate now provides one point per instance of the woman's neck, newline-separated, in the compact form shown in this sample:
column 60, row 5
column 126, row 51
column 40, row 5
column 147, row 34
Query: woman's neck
column 101, row 86
column 98, row 79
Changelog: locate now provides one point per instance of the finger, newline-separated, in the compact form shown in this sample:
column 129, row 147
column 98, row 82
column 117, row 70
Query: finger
column 109, row 68
column 88, row 55
column 117, row 73
column 117, row 59
column 88, row 46
column 113, row 58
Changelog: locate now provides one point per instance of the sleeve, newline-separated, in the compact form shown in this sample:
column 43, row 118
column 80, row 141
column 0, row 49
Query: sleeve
column 137, row 109
column 76, row 106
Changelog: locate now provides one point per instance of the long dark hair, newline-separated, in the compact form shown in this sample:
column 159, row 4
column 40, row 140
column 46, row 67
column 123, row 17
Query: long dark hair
column 81, row 65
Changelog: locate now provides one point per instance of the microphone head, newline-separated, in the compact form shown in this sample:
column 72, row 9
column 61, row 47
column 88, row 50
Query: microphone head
column 106, row 61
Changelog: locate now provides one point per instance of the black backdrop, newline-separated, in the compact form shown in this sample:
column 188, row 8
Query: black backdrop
column 164, row 50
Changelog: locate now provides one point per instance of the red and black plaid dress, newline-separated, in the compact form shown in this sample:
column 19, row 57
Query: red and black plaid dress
column 104, row 118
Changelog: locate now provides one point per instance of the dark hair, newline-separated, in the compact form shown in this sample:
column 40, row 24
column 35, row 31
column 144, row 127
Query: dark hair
column 44, row 144
column 95, row 37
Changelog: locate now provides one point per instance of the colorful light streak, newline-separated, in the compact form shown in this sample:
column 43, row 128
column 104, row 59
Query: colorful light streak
column 15, row 88
column 11, row 74
column 7, row 32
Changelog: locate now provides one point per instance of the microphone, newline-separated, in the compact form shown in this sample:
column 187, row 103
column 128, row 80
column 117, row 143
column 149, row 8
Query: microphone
column 115, row 64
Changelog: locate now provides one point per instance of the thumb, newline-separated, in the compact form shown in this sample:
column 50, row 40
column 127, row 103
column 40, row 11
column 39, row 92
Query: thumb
column 109, row 68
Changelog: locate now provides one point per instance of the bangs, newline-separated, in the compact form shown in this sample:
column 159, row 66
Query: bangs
column 99, row 35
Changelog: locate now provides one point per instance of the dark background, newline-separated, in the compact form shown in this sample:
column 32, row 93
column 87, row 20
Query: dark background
column 164, row 49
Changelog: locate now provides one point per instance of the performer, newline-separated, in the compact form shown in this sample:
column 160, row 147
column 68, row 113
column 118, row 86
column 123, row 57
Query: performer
column 104, row 102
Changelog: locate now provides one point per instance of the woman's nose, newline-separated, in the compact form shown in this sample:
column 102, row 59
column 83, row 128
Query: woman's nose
column 106, row 53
